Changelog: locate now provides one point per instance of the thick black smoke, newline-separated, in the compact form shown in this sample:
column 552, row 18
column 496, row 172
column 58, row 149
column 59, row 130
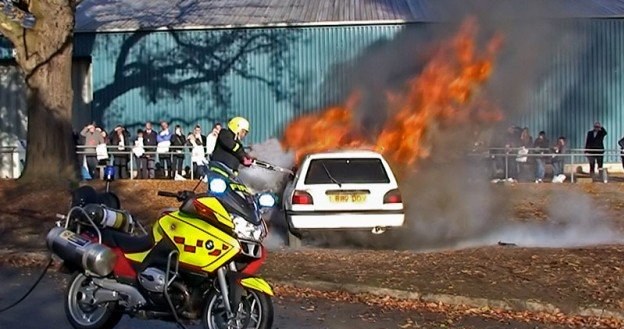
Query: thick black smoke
column 450, row 201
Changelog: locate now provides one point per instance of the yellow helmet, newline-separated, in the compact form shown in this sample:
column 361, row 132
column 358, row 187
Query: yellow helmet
column 237, row 124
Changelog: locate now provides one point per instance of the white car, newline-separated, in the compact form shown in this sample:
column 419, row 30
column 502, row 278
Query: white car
column 351, row 190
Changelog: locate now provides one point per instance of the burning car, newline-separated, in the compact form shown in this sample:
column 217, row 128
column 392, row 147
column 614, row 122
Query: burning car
column 353, row 190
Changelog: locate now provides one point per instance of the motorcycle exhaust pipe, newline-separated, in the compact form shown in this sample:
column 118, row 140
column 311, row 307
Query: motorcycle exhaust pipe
column 132, row 296
column 79, row 251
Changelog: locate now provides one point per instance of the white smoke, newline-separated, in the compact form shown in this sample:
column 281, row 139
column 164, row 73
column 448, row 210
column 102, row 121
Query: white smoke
column 452, row 204
column 260, row 179
column 446, row 210
column 449, row 211
column 449, row 203
column 573, row 221
column 263, row 180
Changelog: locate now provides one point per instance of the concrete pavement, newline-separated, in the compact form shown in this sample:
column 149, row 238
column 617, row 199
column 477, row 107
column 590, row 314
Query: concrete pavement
column 44, row 309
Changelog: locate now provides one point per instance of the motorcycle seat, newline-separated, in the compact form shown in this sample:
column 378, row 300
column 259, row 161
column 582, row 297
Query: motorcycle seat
column 127, row 243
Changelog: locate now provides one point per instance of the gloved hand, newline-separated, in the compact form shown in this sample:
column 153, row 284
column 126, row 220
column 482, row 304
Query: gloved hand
column 247, row 161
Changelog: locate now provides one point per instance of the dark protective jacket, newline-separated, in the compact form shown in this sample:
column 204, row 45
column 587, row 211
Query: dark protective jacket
column 595, row 144
column 228, row 150
column 178, row 141
column 541, row 146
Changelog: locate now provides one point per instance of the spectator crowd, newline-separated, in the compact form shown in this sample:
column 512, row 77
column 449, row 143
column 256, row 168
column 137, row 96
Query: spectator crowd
column 515, row 155
column 153, row 154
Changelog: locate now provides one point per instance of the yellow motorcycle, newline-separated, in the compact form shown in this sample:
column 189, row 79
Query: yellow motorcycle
column 197, row 263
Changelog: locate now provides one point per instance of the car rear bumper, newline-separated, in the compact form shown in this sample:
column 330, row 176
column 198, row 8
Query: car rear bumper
column 306, row 220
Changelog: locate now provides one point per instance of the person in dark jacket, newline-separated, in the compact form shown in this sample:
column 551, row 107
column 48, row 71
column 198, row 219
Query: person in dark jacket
column 150, row 142
column 594, row 145
column 178, row 141
column 541, row 146
column 120, row 142
column 199, row 138
column 229, row 148
column 621, row 143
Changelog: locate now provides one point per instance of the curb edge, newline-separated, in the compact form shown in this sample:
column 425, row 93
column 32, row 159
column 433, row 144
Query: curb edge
column 511, row 304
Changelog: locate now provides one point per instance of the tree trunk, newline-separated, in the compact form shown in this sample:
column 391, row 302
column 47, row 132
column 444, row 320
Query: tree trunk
column 46, row 57
column 50, row 150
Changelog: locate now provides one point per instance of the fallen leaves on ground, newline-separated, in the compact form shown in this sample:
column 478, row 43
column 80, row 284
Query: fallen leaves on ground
column 567, row 278
column 589, row 277
column 451, row 313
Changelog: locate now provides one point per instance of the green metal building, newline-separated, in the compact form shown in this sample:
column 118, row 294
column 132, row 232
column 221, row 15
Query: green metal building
column 200, row 62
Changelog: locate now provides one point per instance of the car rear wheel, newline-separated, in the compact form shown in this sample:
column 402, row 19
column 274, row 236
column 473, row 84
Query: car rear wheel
column 293, row 241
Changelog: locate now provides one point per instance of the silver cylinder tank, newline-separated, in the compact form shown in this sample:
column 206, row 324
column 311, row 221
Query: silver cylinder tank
column 77, row 250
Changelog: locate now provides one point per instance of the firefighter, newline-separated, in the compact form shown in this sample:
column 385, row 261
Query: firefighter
column 229, row 147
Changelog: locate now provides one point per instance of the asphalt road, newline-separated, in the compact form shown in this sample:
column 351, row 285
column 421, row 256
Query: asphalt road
column 44, row 309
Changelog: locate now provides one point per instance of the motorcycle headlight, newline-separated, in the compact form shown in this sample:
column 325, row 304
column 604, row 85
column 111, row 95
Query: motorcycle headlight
column 217, row 185
column 246, row 230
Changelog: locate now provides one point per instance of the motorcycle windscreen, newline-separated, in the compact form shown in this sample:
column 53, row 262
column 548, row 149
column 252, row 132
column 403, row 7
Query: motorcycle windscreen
column 241, row 204
column 237, row 199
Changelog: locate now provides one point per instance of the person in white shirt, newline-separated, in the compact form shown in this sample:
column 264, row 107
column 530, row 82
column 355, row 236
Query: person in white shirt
column 198, row 156
column 139, row 151
column 211, row 139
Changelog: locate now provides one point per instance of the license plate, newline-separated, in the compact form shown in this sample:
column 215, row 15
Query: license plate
column 347, row 198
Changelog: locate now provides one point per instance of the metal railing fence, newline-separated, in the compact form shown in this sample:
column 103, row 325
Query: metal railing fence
column 506, row 157
column 149, row 151
column 571, row 157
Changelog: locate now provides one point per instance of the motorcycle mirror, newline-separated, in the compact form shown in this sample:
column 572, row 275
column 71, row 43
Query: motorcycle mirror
column 266, row 200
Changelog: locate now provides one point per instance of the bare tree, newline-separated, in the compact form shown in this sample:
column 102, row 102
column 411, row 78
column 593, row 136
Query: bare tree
column 41, row 32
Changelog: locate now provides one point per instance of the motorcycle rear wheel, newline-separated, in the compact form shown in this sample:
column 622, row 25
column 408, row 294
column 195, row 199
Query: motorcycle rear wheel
column 83, row 315
column 254, row 312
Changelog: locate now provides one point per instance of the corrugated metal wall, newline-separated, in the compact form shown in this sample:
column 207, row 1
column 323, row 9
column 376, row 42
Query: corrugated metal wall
column 135, row 76
column 13, row 120
column 6, row 50
column 583, row 83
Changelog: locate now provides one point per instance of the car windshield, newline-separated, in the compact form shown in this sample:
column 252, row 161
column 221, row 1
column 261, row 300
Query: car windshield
column 347, row 171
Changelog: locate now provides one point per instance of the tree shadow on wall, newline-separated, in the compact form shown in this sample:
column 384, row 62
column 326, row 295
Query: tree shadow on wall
column 175, row 65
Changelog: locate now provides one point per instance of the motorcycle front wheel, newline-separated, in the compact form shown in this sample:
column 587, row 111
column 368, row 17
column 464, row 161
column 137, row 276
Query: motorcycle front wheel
column 255, row 311
column 83, row 311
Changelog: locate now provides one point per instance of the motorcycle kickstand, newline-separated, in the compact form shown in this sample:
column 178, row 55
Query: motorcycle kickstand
column 168, row 282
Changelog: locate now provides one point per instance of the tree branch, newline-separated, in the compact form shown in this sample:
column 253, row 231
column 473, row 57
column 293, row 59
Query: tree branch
column 130, row 42
column 10, row 28
column 66, row 43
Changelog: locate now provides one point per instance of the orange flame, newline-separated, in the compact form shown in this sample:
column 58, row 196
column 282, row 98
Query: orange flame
column 444, row 94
